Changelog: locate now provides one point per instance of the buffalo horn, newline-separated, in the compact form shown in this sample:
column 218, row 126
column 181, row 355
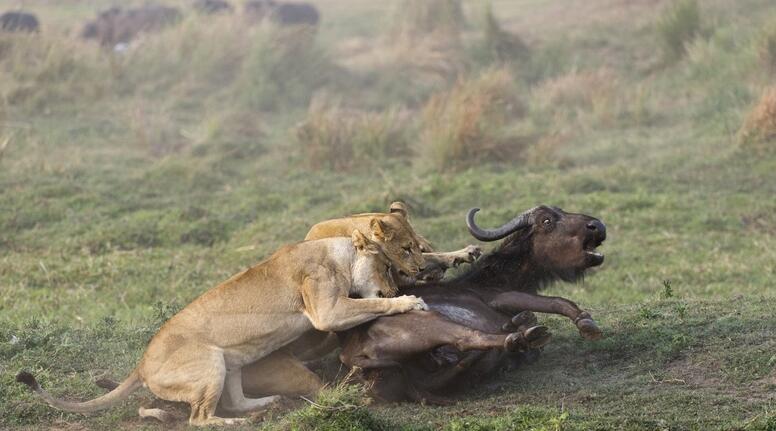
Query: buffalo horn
column 519, row 222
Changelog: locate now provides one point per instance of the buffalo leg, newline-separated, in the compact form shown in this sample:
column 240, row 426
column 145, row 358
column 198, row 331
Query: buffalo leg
column 393, row 338
column 518, row 301
column 523, row 322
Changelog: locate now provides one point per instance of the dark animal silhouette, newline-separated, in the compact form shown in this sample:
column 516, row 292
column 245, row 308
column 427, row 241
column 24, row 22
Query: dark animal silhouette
column 212, row 6
column 418, row 354
column 286, row 14
column 116, row 25
column 19, row 22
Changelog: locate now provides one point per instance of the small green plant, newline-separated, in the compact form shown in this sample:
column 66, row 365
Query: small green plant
column 681, row 310
column 679, row 24
column 341, row 407
column 668, row 291
column 647, row 313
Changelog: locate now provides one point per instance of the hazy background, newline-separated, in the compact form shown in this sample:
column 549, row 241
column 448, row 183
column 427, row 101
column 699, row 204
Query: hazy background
column 133, row 179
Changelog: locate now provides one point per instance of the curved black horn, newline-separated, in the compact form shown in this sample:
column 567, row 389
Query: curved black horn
column 516, row 223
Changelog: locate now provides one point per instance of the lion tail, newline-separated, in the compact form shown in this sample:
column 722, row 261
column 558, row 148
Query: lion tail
column 131, row 384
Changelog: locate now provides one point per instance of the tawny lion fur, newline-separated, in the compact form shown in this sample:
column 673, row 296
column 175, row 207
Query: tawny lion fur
column 197, row 356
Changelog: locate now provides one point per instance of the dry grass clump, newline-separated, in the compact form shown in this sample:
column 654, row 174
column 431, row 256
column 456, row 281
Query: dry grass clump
column 678, row 25
column 405, row 73
column 758, row 132
column 335, row 137
column 284, row 67
column 467, row 124
column 579, row 95
column 40, row 71
column 419, row 55
column 417, row 19
column 766, row 48
column 500, row 45
column 199, row 54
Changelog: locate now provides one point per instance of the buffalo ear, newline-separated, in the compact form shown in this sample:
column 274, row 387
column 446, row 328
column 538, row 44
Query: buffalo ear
column 399, row 208
column 380, row 230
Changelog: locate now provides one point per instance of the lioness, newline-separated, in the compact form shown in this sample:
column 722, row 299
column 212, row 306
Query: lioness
column 198, row 355
column 400, row 242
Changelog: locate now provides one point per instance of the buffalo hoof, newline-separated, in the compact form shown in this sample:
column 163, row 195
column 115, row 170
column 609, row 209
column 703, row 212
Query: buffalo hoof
column 588, row 329
column 522, row 320
column 537, row 336
column 532, row 338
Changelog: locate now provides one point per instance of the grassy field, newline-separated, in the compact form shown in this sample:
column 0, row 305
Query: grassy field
column 131, row 183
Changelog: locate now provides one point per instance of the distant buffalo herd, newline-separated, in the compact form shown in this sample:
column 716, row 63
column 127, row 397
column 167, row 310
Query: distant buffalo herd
column 118, row 26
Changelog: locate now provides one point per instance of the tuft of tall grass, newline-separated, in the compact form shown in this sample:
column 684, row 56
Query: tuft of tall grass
column 40, row 71
column 758, row 132
column 467, row 124
column 199, row 56
column 340, row 407
column 335, row 137
column 679, row 24
column 284, row 67
column 766, row 48
column 499, row 45
column 414, row 19
column 582, row 96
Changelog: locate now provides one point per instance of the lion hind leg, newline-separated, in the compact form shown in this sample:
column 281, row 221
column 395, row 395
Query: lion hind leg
column 233, row 399
column 195, row 375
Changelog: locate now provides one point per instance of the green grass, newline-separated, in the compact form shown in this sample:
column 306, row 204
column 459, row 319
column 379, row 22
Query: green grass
column 129, row 187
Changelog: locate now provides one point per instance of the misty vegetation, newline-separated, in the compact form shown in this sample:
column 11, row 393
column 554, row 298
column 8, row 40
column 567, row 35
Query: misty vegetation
column 134, row 179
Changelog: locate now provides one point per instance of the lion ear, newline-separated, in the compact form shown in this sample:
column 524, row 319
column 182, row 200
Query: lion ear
column 399, row 208
column 380, row 230
column 359, row 240
column 364, row 244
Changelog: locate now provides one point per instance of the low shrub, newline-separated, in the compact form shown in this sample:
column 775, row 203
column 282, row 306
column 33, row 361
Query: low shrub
column 679, row 24
column 577, row 97
column 468, row 123
column 335, row 137
column 758, row 132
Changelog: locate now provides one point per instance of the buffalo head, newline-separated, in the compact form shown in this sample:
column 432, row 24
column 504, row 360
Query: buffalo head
column 549, row 239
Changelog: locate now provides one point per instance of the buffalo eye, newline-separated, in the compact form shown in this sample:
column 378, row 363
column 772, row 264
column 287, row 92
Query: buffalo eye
column 547, row 222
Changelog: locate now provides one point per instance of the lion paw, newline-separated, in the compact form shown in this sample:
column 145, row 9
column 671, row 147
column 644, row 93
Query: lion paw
column 468, row 254
column 411, row 302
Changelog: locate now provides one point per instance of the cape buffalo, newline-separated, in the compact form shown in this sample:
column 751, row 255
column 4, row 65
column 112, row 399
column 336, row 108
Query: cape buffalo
column 212, row 6
column 283, row 13
column 417, row 354
column 19, row 22
column 119, row 26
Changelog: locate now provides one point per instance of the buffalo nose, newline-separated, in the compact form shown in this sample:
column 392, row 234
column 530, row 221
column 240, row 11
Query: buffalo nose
column 597, row 228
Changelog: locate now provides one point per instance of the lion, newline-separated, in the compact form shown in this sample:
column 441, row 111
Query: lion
column 197, row 356
column 400, row 242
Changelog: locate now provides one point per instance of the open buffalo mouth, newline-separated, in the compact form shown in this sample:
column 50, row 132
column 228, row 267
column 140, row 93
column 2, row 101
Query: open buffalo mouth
column 594, row 257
